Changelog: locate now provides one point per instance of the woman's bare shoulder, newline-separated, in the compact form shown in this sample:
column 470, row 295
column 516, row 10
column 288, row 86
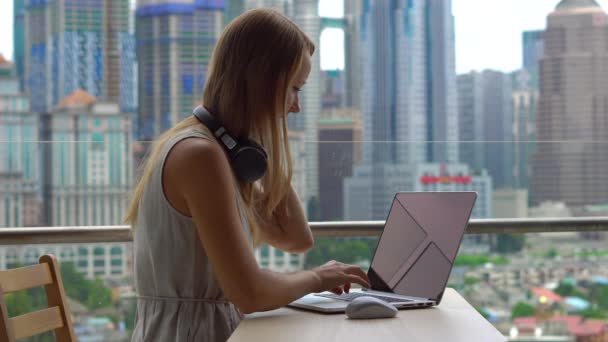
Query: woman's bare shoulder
column 189, row 166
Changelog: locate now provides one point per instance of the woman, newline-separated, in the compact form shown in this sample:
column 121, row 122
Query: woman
column 195, row 221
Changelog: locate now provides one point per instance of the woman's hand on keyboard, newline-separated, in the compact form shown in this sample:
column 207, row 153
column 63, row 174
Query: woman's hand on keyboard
column 336, row 277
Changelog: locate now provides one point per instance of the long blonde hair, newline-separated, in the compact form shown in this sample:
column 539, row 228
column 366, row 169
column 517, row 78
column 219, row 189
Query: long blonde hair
column 252, row 66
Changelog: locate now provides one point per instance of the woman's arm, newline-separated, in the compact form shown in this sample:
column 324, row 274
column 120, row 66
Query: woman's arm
column 199, row 172
column 289, row 230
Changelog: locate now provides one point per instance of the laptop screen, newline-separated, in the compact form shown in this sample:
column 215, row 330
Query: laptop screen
column 419, row 242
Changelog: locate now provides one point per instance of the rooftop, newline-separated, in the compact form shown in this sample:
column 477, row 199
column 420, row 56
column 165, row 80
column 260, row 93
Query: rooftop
column 79, row 98
column 3, row 60
column 576, row 4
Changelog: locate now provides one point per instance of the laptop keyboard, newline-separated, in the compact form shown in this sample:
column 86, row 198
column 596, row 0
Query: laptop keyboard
column 353, row 295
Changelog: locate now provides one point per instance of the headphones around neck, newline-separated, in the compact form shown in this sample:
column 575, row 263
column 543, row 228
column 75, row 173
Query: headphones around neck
column 248, row 159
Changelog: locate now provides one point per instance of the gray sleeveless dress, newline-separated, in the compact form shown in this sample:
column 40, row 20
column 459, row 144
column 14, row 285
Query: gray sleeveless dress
column 179, row 298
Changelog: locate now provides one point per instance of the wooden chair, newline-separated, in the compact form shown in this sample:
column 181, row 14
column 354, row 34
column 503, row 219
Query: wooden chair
column 56, row 317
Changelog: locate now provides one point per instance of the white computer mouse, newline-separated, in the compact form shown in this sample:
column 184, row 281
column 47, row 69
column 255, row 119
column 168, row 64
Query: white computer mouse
column 370, row 307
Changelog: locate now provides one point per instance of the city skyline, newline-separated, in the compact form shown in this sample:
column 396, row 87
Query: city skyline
column 496, row 47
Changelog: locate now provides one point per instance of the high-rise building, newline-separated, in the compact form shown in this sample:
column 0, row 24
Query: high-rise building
column 101, row 260
column 393, row 97
column 486, row 124
column 298, row 152
column 525, row 105
column 88, row 176
column 305, row 13
column 72, row 45
column 572, row 122
column 333, row 94
column 353, row 10
column 19, row 40
column 19, row 176
column 175, row 41
column 334, row 76
column 408, row 97
column 533, row 48
column 442, row 95
column 88, row 168
column 339, row 150
column 471, row 119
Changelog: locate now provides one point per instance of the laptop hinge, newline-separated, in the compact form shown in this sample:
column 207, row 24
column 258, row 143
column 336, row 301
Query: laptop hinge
column 376, row 282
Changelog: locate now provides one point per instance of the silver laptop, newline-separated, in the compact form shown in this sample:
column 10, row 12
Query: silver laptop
column 415, row 253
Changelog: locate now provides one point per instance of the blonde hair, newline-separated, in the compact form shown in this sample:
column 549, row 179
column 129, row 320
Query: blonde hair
column 253, row 64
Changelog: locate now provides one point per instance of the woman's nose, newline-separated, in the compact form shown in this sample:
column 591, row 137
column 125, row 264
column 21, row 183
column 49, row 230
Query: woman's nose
column 295, row 107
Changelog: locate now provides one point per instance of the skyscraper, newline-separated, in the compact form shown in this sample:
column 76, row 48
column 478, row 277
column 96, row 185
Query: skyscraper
column 79, row 44
column 572, row 123
column 442, row 96
column 486, row 124
column 339, row 150
column 174, row 44
column 305, row 13
column 525, row 106
column 19, row 177
column 408, row 98
column 533, row 48
column 471, row 119
column 333, row 89
column 19, row 40
column 353, row 9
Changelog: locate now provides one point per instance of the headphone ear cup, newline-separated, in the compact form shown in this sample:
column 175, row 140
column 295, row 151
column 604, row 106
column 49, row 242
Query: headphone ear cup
column 255, row 145
column 249, row 162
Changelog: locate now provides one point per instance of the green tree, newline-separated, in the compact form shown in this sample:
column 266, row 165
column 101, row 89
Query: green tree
column 509, row 243
column 74, row 282
column 565, row 289
column 347, row 251
column 18, row 303
column 469, row 281
column 599, row 295
column 593, row 314
column 92, row 293
column 522, row 309
column 551, row 253
column 99, row 296
column 478, row 260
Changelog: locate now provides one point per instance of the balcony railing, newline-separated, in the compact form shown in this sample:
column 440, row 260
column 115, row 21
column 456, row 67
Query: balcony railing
column 90, row 234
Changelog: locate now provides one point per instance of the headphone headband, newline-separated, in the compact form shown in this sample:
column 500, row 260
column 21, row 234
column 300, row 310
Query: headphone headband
column 247, row 158
column 203, row 115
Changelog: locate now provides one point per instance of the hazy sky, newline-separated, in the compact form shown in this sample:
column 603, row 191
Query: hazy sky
column 488, row 32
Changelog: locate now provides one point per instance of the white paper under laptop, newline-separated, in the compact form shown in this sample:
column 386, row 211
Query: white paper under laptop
column 414, row 255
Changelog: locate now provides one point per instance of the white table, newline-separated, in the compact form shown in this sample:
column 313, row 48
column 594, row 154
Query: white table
column 453, row 320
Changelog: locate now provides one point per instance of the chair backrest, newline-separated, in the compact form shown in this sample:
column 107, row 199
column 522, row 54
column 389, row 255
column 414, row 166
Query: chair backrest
column 55, row 318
